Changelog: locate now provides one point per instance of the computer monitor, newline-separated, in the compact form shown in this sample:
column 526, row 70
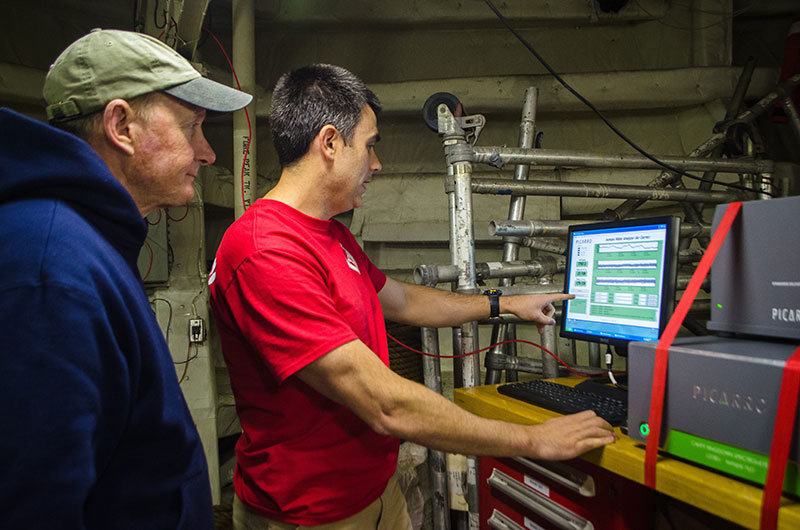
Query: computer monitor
column 623, row 276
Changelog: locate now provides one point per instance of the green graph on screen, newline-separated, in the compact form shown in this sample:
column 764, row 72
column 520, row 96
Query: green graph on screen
column 625, row 279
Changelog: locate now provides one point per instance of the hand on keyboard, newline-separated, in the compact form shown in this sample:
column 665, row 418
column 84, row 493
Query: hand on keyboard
column 570, row 436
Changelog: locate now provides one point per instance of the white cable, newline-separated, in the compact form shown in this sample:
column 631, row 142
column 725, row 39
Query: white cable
column 609, row 360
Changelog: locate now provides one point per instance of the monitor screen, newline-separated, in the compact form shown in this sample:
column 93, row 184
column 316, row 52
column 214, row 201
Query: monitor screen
column 623, row 275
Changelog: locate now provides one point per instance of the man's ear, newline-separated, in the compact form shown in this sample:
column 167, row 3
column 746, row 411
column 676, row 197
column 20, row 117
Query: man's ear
column 326, row 141
column 117, row 119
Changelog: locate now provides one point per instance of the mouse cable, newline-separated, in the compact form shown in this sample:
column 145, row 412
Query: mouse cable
column 609, row 364
column 594, row 109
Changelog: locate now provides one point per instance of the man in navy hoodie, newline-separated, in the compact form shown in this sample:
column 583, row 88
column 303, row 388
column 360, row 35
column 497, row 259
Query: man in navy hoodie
column 95, row 431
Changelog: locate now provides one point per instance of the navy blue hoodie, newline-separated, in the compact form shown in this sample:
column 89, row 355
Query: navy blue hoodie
column 94, row 430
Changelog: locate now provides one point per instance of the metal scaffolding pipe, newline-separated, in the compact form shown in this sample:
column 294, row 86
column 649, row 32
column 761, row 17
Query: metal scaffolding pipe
column 733, row 108
column 499, row 362
column 463, row 257
column 683, row 282
column 516, row 211
column 598, row 191
column 594, row 355
column 552, row 157
column 559, row 246
column 244, row 129
column 560, row 229
column 535, row 366
column 437, row 461
column 666, row 178
column 549, row 341
column 433, row 274
column 548, row 338
column 791, row 113
column 462, row 253
column 712, row 144
column 547, row 244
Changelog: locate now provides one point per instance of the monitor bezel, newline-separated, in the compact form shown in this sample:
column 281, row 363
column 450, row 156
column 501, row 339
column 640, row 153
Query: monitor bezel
column 670, row 274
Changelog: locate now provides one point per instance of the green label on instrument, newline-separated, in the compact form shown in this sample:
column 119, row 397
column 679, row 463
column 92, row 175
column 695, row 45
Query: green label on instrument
column 728, row 459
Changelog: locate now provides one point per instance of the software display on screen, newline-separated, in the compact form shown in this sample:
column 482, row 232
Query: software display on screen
column 622, row 274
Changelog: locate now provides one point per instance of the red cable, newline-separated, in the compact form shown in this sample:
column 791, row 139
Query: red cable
column 186, row 363
column 171, row 25
column 246, row 114
column 150, row 266
column 166, row 211
column 488, row 347
column 157, row 221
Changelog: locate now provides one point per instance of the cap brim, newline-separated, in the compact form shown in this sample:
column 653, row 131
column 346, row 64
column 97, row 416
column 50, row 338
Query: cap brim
column 210, row 95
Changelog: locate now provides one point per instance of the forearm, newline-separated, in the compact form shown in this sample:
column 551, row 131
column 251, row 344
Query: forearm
column 420, row 415
column 436, row 308
column 354, row 377
column 428, row 307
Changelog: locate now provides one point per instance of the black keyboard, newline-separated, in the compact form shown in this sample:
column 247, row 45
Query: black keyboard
column 608, row 402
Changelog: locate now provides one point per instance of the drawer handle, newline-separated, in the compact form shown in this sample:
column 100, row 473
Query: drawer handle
column 537, row 503
column 567, row 476
column 499, row 521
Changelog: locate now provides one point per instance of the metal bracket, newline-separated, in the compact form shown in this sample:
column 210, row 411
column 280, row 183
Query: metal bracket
column 468, row 127
column 473, row 125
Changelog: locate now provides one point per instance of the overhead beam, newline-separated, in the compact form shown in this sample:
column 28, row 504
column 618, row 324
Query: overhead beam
column 463, row 14
column 644, row 89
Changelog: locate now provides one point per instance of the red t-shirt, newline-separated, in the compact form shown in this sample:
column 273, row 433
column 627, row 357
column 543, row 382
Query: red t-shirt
column 286, row 289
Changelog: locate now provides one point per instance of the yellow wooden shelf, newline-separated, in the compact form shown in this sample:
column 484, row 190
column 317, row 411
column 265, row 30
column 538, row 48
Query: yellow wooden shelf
column 712, row 492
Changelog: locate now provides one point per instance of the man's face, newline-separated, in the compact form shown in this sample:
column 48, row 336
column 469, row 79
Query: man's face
column 358, row 162
column 170, row 148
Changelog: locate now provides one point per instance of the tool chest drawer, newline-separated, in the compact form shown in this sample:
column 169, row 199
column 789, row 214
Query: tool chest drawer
column 519, row 493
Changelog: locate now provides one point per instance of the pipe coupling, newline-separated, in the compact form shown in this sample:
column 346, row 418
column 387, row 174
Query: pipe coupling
column 460, row 152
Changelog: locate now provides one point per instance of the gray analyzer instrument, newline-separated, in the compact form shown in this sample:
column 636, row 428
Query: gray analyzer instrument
column 722, row 391
column 755, row 279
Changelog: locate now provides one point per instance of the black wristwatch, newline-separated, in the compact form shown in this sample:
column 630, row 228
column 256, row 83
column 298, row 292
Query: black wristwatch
column 494, row 301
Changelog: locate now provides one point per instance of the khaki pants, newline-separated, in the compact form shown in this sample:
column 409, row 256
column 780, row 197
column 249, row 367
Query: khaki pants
column 388, row 512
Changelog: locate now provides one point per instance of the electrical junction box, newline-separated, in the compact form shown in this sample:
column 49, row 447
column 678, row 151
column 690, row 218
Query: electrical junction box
column 755, row 278
column 153, row 259
column 720, row 403
column 197, row 330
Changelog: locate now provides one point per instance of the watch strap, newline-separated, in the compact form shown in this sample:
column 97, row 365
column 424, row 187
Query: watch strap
column 494, row 301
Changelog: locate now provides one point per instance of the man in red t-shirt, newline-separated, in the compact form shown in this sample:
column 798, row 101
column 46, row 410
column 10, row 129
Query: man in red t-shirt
column 300, row 311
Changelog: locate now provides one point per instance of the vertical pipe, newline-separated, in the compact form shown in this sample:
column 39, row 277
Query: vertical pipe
column 549, row 341
column 791, row 113
column 437, row 461
column 463, row 255
column 549, row 364
column 191, row 25
column 465, row 337
column 516, row 211
column 244, row 123
column 457, row 350
column 456, row 338
column 765, row 185
column 594, row 354
column 472, row 493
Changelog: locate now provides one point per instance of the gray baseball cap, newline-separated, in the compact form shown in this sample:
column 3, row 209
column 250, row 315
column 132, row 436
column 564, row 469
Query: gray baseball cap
column 107, row 64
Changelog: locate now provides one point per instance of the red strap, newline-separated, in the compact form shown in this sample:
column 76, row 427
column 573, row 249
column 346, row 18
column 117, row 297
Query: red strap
column 662, row 350
column 781, row 439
